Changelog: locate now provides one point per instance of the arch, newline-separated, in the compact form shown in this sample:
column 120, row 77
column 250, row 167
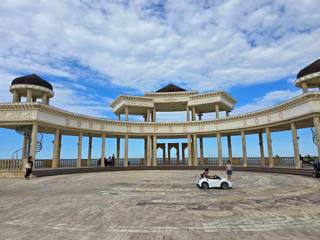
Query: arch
column 177, row 153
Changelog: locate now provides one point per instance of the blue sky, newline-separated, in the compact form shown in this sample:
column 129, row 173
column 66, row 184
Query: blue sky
column 93, row 51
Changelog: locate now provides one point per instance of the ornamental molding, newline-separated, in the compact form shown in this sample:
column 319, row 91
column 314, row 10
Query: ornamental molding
column 32, row 87
column 307, row 77
column 170, row 94
column 220, row 93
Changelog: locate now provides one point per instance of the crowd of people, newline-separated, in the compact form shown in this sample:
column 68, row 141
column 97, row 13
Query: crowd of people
column 107, row 161
column 306, row 160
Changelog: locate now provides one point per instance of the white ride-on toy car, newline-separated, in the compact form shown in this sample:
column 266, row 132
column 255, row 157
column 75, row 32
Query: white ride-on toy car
column 214, row 182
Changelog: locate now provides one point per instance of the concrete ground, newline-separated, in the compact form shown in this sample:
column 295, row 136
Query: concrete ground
column 159, row 205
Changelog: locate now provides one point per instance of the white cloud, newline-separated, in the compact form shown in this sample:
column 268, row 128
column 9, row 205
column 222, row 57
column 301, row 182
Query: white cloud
column 143, row 44
column 5, row 82
column 268, row 100
column 72, row 99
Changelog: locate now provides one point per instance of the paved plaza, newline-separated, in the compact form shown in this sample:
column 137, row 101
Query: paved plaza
column 159, row 205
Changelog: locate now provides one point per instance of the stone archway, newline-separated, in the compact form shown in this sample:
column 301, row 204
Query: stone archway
column 162, row 146
column 184, row 147
column 176, row 146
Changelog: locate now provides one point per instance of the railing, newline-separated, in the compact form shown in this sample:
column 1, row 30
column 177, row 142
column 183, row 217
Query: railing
column 10, row 164
column 16, row 164
column 132, row 161
column 172, row 161
column 284, row 161
column 47, row 163
column 252, row 161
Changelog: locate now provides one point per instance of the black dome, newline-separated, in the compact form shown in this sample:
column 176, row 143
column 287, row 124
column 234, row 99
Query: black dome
column 171, row 88
column 32, row 79
column 311, row 68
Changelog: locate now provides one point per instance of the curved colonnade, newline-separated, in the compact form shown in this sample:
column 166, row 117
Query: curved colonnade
column 36, row 116
column 299, row 112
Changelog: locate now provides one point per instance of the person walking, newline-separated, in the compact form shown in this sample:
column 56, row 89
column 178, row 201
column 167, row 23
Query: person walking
column 229, row 170
column 29, row 166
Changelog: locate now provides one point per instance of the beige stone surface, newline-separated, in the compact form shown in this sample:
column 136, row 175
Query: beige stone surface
column 159, row 205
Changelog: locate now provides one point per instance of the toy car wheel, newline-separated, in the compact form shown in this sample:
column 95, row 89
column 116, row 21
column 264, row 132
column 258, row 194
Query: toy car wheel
column 224, row 185
column 204, row 185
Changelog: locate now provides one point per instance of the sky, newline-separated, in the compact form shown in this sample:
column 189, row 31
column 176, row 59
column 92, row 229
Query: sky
column 93, row 51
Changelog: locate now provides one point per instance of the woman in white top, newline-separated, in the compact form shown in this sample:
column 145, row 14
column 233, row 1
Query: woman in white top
column 229, row 170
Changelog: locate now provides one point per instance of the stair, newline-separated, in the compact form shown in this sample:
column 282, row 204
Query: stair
column 26, row 132
column 62, row 171
column 314, row 136
column 39, row 143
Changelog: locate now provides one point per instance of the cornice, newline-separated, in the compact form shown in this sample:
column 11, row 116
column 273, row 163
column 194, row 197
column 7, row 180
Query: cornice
column 70, row 115
column 33, row 87
column 170, row 94
column 298, row 81
column 130, row 98
column 213, row 94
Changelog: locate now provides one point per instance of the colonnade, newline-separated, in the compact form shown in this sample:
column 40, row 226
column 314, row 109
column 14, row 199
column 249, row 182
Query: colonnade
column 16, row 97
column 150, row 158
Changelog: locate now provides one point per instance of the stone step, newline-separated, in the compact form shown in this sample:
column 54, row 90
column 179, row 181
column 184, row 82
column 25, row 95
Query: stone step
column 61, row 171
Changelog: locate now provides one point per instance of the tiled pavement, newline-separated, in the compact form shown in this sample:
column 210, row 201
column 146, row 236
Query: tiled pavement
column 159, row 205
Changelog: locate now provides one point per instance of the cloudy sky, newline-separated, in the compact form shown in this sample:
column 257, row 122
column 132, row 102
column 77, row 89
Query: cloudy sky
column 92, row 51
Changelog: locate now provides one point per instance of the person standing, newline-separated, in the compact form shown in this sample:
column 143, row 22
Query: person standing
column 229, row 170
column 29, row 166
column 113, row 159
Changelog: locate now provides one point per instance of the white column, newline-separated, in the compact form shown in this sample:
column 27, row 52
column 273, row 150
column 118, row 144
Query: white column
column 261, row 149
column 295, row 145
column 219, row 149
column 29, row 95
column 217, row 111
column 45, row 98
column 316, row 123
column 56, row 149
column 189, row 150
column 118, row 152
column 195, row 150
column 79, row 150
column 89, row 151
column 145, row 151
column 148, row 150
column 103, row 149
column 229, row 148
column 25, row 146
column 188, row 113
column 193, row 113
column 126, row 139
column 244, row 149
column 15, row 96
column 148, row 115
column 33, row 149
column 269, row 141
column 154, row 114
column 304, row 87
column 59, row 151
column 201, row 150
column 127, row 113
column 154, row 150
